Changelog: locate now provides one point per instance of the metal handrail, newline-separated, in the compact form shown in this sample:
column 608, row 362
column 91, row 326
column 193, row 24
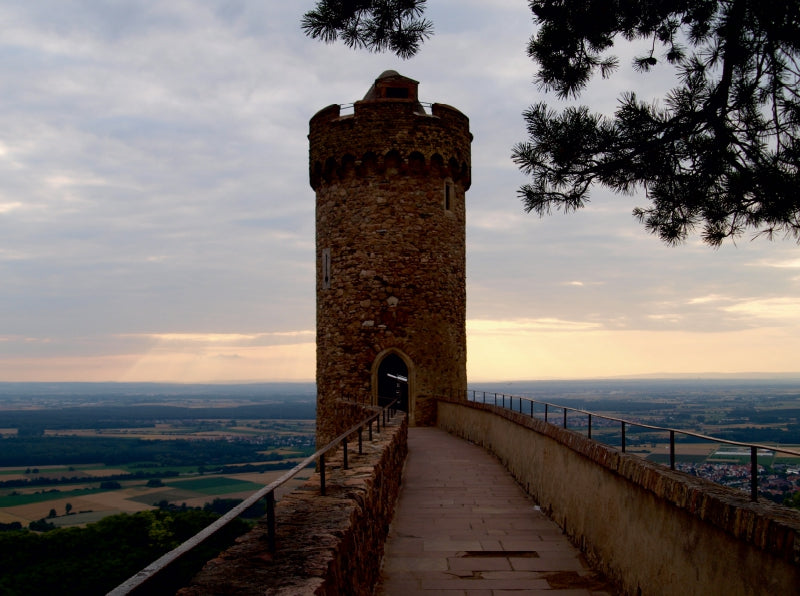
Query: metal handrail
column 160, row 565
column 754, row 447
column 350, row 107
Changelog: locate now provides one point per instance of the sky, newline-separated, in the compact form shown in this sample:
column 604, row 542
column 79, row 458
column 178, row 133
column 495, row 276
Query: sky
column 157, row 223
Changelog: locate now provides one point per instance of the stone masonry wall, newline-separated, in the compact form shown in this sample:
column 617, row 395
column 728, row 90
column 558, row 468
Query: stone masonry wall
column 326, row 545
column 396, row 249
column 653, row 530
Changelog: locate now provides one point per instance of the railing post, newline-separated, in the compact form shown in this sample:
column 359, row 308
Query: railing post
column 565, row 417
column 503, row 397
column 370, row 430
column 322, row 474
column 484, row 397
column 623, row 437
column 495, row 399
column 531, row 408
column 520, row 405
column 753, row 473
column 360, row 441
column 672, row 450
column 590, row 426
column 344, row 458
column 545, row 412
column 271, row 521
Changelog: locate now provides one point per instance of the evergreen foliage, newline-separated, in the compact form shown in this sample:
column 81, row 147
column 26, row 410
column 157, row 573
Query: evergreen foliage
column 718, row 153
column 375, row 25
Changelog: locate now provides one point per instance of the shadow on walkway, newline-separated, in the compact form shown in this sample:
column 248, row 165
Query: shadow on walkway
column 464, row 527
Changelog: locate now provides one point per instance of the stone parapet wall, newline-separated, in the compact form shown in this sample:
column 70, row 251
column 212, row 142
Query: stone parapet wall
column 326, row 545
column 653, row 530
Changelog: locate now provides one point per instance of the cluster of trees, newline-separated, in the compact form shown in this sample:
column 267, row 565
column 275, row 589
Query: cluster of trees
column 789, row 435
column 35, row 422
column 763, row 416
column 222, row 506
column 719, row 152
column 757, row 434
column 152, row 470
column 95, row 559
column 44, row 559
column 54, row 450
column 793, row 500
column 110, row 483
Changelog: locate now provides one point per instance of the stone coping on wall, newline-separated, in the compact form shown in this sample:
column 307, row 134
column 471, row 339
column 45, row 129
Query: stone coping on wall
column 329, row 544
column 766, row 525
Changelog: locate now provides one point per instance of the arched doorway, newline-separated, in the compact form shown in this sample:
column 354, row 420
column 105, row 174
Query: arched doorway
column 392, row 381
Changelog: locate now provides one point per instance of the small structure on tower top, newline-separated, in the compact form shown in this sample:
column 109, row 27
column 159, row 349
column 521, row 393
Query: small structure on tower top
column 392, row 85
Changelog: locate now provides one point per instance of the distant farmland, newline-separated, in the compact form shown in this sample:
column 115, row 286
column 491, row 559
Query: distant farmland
column 99, row 459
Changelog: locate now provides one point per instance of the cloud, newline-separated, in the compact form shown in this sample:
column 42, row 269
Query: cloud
column 495, row 221
column 773, row 309
column 667, row 317
column 525, row 326
column 787, row 263
column 709, row 299
column 292, row 362
column 301, row 336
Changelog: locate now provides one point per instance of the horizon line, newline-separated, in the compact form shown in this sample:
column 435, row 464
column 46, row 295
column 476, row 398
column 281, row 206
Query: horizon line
column 752, row 375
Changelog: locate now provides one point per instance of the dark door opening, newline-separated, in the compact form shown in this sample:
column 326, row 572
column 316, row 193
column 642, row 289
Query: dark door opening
column 393, row 382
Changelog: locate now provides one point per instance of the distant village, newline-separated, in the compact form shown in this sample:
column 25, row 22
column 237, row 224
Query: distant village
column 777, row 483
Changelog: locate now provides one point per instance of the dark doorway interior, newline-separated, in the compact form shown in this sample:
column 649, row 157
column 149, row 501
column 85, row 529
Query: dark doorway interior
column 393, row 381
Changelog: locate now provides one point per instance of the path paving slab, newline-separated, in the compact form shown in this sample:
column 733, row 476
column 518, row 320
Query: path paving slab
column 464, row 527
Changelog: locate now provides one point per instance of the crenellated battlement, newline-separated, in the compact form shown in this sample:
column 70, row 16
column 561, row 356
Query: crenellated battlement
column 392, row 163
column 387, row 138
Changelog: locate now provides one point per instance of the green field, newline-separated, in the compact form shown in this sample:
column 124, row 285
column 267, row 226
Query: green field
column 216, row 485
column 13, row 500
column 211, row 486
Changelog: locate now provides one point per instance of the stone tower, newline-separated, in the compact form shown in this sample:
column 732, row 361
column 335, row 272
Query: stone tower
column 390, row 181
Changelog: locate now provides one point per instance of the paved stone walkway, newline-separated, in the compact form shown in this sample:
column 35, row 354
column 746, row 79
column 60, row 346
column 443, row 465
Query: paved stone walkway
column 464, row 527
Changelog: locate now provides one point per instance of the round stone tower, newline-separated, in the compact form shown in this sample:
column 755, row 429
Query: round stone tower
column 390, row 180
